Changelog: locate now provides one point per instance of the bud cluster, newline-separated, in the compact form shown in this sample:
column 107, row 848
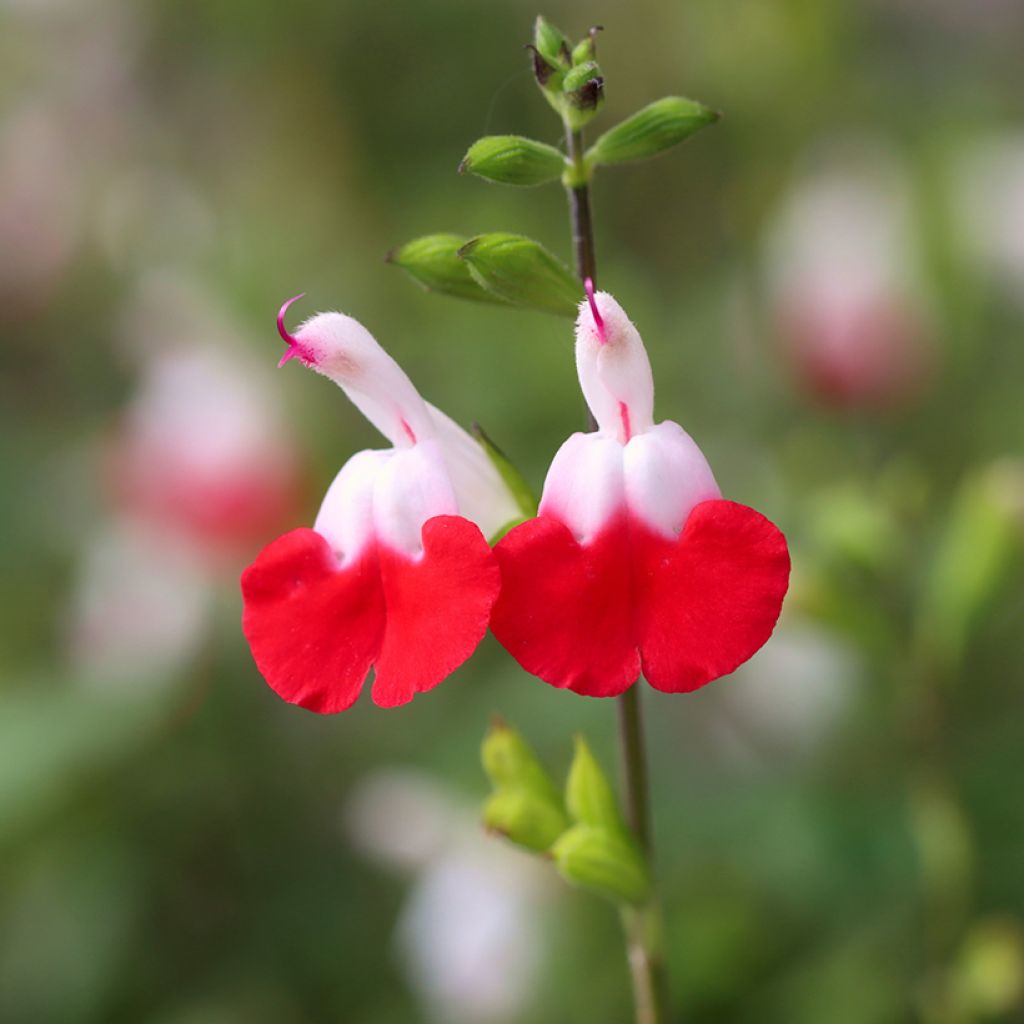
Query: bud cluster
column 584, row 834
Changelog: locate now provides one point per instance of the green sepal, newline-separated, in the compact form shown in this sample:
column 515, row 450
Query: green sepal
column 604, row 862
column 524, row 819
column 513, row 160
column 522, row 272
column 521, row 491
column 589, row 797
column 433, row 261
column 652, row 130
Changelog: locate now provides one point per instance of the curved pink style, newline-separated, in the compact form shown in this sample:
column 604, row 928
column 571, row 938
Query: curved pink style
column 588, row 285
column 288, row 338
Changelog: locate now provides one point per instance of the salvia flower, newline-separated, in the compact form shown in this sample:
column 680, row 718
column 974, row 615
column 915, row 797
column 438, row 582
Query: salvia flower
column 634, row 562
column 395, row 572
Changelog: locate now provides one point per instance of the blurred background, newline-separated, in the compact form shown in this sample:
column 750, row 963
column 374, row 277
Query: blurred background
column 830, row 282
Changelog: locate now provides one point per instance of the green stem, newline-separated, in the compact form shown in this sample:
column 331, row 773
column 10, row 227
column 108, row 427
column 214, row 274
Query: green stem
column 642, row 925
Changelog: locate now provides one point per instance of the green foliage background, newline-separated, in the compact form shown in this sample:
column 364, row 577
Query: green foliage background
column 175, row 855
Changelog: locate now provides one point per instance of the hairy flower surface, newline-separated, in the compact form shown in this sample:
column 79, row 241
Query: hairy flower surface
column 395, row 572
column 634, row 562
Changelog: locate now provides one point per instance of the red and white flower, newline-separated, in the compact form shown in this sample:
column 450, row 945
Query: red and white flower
column 396, row 572
column 634, row 563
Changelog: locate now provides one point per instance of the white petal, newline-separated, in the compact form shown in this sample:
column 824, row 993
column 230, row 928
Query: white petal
column 412, row 487
column 584, row 486
column 614, row 371
column 481, row 494
column 345, row 518
column 666, row 474
column 344, row 350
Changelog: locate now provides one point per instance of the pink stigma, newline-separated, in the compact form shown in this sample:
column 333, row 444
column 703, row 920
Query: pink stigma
column 588, row 284
column 289, row 340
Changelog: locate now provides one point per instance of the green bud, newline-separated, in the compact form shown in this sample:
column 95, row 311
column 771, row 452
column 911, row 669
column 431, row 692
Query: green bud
column 650, row 131
column 513, row 479
column 522, row 272
column 974, row 557
column 583, row 87
column 588, row 794
column 513, row 160
column 433, row 261
column 550, row 43
column 586, row 49
column 604, row 862
column 524, row 818
column 511, row 764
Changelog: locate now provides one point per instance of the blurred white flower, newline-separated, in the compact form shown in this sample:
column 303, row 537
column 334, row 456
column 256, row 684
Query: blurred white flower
column 473, row 935
column 840, row 264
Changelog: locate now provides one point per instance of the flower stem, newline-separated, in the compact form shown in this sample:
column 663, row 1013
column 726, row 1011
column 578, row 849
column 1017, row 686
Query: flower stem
column 642, row 924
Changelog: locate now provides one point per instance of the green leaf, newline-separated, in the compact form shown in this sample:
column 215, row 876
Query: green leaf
column 588, row 794
column 433, row 261
column 650, row 131
column 604, row 862
column 974, row 557
column 513, row 160
column 513, row 479
column 522, row 272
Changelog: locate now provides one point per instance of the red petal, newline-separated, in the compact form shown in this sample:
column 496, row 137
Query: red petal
column 710, row 600
column 437, row 608
column 314, row 629
column 565, row 611
column 695, row 607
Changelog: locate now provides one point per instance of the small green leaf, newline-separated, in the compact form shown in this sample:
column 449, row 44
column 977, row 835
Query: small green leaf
column 524, row 818
column 521, row 491
column 434, row 263
column 604, row 862
column 513, row 160
column 588, row 794
column 650, row 131
column 522, row 272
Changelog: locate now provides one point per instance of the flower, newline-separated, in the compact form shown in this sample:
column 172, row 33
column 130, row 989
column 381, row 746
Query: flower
column 391, row 575
column 634, row 562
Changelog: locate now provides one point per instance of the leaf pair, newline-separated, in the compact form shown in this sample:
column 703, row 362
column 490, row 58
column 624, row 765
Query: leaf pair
column 585, row 836
column 499, row 267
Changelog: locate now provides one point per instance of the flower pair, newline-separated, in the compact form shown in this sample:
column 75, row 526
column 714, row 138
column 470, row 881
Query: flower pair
column 633, row 563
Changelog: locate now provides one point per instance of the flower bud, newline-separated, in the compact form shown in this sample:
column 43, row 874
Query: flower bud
column 510, row 763
column 550, row 43
column 525, row 806
column 603, row 861
column 583, row 87
column 588, row 794
column 522, row 272
column 586, row 48
column 433, row 261
column 524, row 818
column 513, row 160
column 650, row 131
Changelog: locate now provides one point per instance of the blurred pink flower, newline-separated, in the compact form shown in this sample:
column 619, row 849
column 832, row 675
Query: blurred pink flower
column 844, row 289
